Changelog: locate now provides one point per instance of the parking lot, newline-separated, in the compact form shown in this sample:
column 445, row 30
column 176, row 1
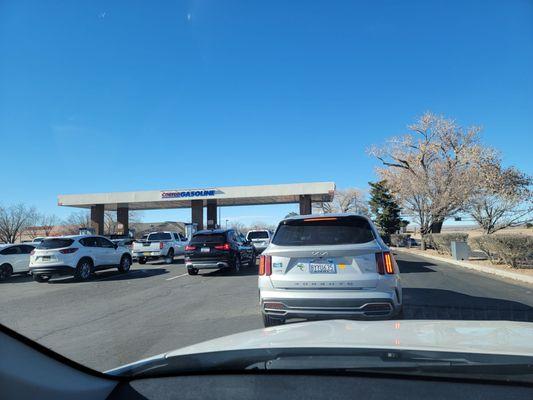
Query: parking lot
column 115, row 318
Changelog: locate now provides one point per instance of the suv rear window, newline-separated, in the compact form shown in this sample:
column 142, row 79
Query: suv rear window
column 209, row 238
column 159, row 236
column 258, row 235
column 323, row 231
column 55, row 243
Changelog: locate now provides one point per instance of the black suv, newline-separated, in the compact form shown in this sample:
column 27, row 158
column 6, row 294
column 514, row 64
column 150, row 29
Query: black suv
column 218, row 248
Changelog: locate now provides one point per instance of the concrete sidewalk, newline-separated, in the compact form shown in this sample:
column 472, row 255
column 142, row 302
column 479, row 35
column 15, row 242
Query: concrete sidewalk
column 465, row 264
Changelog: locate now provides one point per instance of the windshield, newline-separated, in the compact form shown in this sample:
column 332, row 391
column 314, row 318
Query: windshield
column 49, row 244
column 258, row 235
column 389, row 206
column 323, row 231
column 159, row 236
column 209, row 238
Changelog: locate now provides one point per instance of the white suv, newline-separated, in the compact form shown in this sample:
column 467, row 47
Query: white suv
column 79, row 255
column 260, row 239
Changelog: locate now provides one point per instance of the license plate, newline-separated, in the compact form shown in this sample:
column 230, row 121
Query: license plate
column 146, row 253
column 322, row 268
column 45, row 258
column 205, row 249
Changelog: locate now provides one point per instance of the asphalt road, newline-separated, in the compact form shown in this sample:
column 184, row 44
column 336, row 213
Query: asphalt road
column 116, row 319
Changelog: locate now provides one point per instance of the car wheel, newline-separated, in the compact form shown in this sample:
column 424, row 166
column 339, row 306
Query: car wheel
column 237, row 264
column 169, row 257
column 125, row 264
column 5, row 271
column 142, row 260
column 84, row 270
column 270, row 321
column 192, row 271
column 41, row 278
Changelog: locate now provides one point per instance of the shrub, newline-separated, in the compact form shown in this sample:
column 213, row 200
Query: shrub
column 443, row 241
column 514, row 250
column 483, row 243
column 399, row 239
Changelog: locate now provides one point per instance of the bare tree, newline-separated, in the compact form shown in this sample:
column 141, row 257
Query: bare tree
column 348, row 200
column 14, row 220
column 82, row 219
column 261, row 225
column 503, row 199
column 238, row 226
column 45, row 223
column 432, row 169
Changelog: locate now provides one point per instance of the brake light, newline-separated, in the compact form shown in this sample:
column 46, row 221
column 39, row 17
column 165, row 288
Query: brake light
column 265, row 265
column 161, row 245
column 385, row 263
column 224, row 246
column 70, row 250
column 190, row 248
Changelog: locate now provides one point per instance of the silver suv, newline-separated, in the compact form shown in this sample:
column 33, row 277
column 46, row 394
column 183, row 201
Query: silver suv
column 328, row 266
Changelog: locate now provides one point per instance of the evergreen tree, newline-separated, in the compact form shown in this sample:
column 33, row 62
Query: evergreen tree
column 384, row 209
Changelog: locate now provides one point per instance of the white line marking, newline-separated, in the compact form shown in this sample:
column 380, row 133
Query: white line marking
column 174, row 277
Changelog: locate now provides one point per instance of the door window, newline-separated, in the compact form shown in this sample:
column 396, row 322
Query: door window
column 11, row 250
column 103, row 242
column 26, row 249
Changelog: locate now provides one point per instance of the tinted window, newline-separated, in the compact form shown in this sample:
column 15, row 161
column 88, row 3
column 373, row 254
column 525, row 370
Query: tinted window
column 55, row 243
column 258, row 235
column 26, row 248
column 88, row 242
column 11, row 250
column 323, row 231
column 160, row 236
column 102, row 242
column 209, row 238
column 176, row 237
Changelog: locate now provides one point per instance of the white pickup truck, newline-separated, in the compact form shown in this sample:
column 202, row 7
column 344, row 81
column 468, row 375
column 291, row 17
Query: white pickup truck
column 159, row 245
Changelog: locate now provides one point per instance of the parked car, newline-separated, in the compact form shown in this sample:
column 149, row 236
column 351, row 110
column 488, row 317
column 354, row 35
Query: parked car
column 333, row 266
column 218, row 248
column 79, row 255
column 14, row 259
column 260, row 239
column 159, row 245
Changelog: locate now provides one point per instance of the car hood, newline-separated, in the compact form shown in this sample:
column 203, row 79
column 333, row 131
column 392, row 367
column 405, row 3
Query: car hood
column 486, row 337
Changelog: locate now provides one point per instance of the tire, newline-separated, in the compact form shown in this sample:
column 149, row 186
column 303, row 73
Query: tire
column 5, row 271
column 169, row 258
column 125, row 264
column 237, row 264
column 84, row 270
column 192, row 271
column 270, row 321
column 142, row 260
column 41, row 278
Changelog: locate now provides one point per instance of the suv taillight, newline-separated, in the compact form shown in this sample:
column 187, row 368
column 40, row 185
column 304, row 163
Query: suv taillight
column 69, row 250
column 265, row 265
column 190, row 248
column 224, row 246
column 161, row 245
column 385, row 263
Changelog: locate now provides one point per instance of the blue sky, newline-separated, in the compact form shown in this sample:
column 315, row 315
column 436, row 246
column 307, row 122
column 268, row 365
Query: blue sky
column 137, row 95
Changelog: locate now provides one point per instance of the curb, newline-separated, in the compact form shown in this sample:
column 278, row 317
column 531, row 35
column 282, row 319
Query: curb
column 481, row 268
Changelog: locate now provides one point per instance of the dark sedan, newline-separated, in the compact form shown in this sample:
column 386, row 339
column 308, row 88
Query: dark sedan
column 219, row 248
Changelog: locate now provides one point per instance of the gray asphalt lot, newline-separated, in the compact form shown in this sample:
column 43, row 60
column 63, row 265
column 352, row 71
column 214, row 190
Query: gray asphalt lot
column 115, row 318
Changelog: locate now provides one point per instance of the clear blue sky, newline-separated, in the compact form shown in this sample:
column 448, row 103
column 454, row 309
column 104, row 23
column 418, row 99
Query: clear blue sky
column 136, row 95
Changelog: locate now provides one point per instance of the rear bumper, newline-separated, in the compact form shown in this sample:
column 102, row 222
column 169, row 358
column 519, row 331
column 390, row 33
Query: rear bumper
column 207, row 264
column 347, row 305
column 52, row 270
column 147, row 254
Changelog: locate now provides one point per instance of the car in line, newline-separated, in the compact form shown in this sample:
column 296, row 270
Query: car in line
column 15, row 259
column 218, row 249
column 159, row 245
column 79, row 256
column 260, row 239
column 328, row 266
